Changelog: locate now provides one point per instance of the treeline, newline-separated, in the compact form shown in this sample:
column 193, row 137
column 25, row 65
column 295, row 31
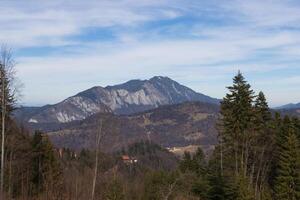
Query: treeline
column 31, row 166
column 259, row 154
column 257, row 158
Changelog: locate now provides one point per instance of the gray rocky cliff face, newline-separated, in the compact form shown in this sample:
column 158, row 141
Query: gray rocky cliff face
column 127, row 98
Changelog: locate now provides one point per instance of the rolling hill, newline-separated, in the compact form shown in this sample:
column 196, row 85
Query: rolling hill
column 180, row 125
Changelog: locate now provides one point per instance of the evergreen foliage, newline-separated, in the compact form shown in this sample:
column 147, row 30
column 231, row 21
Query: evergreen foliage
column 115, row 191
column 287, row 182
column 46, row 174
column 256, row 149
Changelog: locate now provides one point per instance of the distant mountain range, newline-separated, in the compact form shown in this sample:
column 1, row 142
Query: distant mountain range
column 131, row 97
column 292, row 109
column 289, row 106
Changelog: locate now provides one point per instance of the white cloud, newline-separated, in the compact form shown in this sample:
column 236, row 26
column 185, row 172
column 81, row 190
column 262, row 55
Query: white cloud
column 220, row 38
column 47, row 23
column 269, row 13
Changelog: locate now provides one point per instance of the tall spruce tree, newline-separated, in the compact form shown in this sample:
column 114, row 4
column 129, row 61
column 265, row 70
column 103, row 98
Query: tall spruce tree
column 219, row 187
column 236, row 132
column 46, row 169
column 236, row 122
column 261, row 146
column 296, row 122
column 287, row 181
column 246, row 141
column 263, row 114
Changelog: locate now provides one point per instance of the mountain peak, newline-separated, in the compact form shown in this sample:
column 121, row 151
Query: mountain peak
column 132, row 85
column 290, row 106
column 127, row 98
column 138, row 84
column 160, row 78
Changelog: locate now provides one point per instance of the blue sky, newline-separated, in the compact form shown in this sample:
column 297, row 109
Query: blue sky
column 63, row 47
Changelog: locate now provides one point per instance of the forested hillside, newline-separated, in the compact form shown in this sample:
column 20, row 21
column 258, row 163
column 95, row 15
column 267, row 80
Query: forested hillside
column 179, row 125
column 256, row 155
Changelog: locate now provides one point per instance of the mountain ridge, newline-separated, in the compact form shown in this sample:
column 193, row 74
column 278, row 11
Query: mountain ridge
column 179, row 125
column 289, row 106
column 130, row 97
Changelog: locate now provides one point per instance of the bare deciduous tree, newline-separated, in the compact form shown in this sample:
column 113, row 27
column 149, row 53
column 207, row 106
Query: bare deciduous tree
column 98, row 140
column 8, row 96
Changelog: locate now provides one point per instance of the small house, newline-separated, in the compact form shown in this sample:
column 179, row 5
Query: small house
column 129, row 160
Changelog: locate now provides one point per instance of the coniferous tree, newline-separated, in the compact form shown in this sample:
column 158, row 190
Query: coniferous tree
column 236, row 136
column 262, row 145
column 115, row 191
column 287, row 181
column 195, row 165
column 247, row 140
column 186, row 163
column 200, row 162
column 262, row 111
column 46, row 174
column 37, row 178
column 217, row 184
column 296, row 122
column 237, row 114
column 156, row 184
column 277, row 125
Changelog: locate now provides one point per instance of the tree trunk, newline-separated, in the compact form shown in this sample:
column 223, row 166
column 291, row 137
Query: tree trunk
column 259, row 170
column 10, row 175
column 3, row 113
column 236, row 158
column 171, row 188
column 221, row 156
column 96, row 160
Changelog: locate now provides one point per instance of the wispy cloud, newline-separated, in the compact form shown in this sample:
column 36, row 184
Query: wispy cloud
column 33, row 23
column 199, row 43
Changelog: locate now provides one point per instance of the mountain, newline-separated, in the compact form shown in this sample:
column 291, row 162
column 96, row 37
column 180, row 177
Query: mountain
column 292, row 112
column 290, row 106
column 71, row 109
column 127, row 98
column 292, row 109
column 180, row 126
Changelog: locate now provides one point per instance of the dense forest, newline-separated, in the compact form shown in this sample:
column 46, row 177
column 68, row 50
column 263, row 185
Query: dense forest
column 257, row 158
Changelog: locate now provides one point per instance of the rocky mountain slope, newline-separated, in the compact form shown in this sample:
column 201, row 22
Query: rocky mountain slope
column 131, row 97
column 290, row 106
column 170, row 126
column 71, row 109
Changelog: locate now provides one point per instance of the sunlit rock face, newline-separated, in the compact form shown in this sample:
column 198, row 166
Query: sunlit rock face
column 140, row 95
column 128, row 98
